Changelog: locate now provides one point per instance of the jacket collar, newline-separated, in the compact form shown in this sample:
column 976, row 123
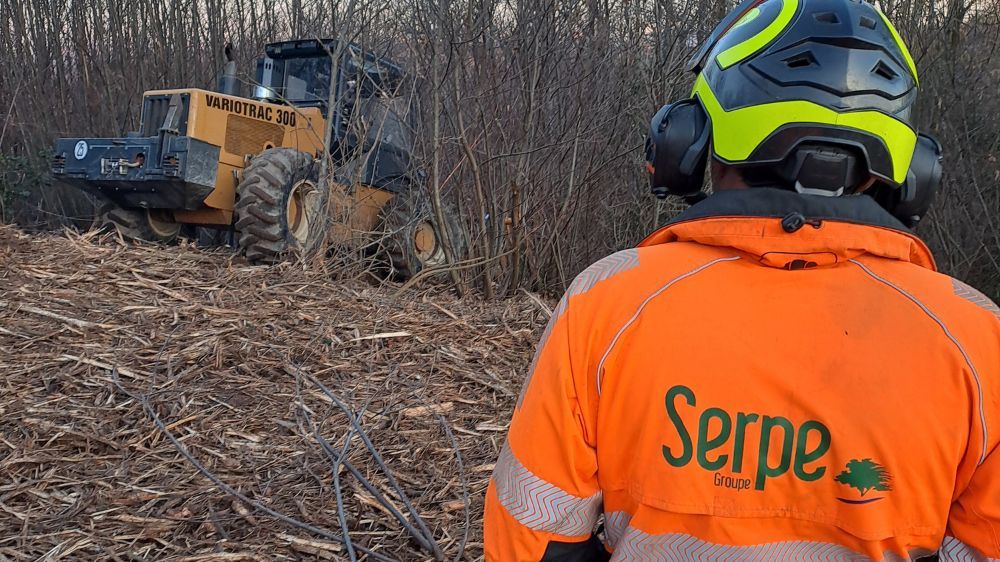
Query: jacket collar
column 785, row 229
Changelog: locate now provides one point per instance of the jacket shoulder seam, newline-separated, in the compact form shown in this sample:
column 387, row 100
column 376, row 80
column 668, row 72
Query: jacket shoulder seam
column 954, row 340
column 663, row 288
column 598, row 272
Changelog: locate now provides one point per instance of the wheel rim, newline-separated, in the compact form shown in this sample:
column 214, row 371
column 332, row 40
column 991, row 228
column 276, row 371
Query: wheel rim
column 425, row 244
column 161, row 223
column 302, row 206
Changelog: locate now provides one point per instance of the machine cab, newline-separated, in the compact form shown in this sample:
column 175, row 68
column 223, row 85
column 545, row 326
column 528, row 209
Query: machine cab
column 373, row 113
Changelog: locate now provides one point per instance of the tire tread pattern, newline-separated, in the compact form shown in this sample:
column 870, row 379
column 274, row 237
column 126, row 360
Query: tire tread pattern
column 261, row 225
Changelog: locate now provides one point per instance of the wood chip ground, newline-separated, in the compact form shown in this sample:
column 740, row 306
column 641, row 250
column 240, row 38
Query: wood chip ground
column 228, row 357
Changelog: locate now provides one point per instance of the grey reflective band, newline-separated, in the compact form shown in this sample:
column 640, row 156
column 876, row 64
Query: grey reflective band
column 615, row 526
column 540, row 505
column 954, row 550
column 640, row 546
column 603, row 270
column 975, row 297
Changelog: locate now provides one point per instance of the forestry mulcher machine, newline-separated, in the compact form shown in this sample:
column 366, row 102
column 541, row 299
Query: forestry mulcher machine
column 247, row 168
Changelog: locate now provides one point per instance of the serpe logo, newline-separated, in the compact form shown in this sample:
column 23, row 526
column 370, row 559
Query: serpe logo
column 723, row 440
column 81, row 150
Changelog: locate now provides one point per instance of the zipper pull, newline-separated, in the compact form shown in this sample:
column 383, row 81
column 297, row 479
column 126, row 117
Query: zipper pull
column 793, row 222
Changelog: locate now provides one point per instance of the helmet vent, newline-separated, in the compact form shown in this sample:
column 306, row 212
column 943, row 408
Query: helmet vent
column 885, row 71
column 827, row 17
column 801, row 60
column 867, row 22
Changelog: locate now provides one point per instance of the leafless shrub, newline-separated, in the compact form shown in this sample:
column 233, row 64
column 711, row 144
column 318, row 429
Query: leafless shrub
column 530, row 115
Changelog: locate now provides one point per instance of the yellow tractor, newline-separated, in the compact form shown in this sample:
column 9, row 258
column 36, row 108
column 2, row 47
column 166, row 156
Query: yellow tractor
column 247, row 169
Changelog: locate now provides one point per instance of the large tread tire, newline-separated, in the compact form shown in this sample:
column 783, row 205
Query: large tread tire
column 137, row 224
column 265, row 231
column 400, row 220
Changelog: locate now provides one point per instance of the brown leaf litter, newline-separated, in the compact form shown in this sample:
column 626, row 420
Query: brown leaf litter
column 176, row 404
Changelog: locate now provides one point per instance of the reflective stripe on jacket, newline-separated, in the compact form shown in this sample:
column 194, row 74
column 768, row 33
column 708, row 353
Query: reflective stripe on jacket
column 770, row 377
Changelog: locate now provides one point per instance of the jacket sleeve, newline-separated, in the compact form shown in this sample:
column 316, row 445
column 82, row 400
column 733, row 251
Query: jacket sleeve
column 543, row 499
column 974, row 521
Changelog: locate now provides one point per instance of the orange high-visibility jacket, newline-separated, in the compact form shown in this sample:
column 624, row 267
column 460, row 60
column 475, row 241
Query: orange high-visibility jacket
column 772, row 376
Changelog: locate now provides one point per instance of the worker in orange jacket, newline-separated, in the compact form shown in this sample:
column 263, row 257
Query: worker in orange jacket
column 779, row 373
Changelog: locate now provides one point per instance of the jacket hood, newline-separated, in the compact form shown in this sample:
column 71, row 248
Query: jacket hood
column 793, row 231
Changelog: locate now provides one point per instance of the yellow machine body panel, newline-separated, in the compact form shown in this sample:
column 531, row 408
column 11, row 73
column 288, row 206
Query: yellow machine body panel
column 355, row 212
column 242, row 128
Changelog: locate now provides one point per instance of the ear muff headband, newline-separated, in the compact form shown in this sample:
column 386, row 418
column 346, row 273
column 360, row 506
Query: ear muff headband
column 677, row 149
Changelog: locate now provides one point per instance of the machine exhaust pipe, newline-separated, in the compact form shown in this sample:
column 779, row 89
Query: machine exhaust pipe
column 228, row 84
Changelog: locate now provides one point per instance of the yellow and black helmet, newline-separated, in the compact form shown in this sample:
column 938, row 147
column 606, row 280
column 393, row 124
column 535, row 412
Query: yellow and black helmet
column 815, row 95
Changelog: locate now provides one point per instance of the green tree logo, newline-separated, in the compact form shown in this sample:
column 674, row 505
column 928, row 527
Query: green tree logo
column 865, row 475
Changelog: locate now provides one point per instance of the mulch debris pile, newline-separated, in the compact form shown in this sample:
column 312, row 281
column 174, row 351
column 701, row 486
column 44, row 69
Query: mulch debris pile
column 170, row 403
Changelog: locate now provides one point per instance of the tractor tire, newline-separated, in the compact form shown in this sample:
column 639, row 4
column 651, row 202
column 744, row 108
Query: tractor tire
column 279, row 207
column 411, row 238
column 148, row 225
column 211, row 238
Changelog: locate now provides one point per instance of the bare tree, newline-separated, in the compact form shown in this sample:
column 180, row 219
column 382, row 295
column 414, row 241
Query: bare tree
column 530, row 115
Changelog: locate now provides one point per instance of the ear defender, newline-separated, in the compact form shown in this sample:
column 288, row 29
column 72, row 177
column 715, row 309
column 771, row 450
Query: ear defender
column 922, row 182
column 910, row 202
column 677, row 149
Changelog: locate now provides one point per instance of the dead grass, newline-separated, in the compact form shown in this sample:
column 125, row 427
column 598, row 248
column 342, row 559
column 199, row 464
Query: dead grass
column 118, row 362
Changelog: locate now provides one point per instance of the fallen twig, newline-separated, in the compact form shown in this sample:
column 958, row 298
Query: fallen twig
column 75, row 322
column 432, row 545
column 151, row 413
column 465, row 486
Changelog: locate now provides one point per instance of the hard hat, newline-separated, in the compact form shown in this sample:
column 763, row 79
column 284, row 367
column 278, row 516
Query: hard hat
column 815, row 95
